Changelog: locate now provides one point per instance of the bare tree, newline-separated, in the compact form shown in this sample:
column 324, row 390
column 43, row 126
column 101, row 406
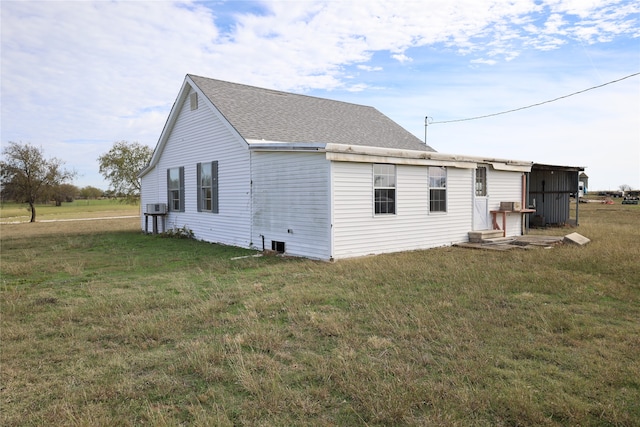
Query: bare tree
column 121, row 165
column 27, row 176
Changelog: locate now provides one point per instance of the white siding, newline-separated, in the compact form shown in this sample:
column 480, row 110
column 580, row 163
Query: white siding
column 319, row 208
column 503, row 186
column 149, row 194
column 357, row 231
column 291, row 202
column 201, row 136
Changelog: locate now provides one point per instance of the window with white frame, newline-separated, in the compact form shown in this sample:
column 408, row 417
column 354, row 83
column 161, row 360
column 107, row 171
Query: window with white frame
column 175, row 188
column 384, row 189
column 437, row 189
column 208, row 187
column 481, row 181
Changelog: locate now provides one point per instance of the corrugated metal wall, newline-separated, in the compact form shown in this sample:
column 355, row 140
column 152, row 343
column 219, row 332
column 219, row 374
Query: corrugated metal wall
column 549, row 191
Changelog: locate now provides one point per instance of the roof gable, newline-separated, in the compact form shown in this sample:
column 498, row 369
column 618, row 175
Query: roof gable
column 264, row 114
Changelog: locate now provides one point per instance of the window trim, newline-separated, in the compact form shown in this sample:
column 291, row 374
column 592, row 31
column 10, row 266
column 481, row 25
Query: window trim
column 213, row 187
column 379, row 190
column 441, row 189
column 180, row 189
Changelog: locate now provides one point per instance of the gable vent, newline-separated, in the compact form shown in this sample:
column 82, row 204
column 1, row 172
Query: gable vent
column 194, row 100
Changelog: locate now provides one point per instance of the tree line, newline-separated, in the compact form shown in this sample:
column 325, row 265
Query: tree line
column 27, row 176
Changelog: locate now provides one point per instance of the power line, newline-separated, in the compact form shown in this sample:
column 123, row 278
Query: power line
column 538, row 104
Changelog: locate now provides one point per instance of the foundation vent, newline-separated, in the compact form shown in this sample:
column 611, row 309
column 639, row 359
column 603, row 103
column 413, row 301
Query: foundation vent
column 277, row 246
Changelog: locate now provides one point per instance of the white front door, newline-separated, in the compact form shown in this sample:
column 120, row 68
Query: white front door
column 481, row 219
column 481, row 214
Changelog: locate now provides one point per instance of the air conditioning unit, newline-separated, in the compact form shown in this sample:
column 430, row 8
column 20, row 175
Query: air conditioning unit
column 157, row 208
column 510, row 206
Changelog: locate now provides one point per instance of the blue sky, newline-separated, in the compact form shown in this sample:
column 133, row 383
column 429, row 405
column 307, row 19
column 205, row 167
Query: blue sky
column 77, row 76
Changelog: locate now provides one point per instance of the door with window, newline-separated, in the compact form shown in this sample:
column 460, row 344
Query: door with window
column 481, row 220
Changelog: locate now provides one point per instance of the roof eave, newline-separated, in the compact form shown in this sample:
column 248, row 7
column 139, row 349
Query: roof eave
column 166, row 130
column 542, row 166
column 346, row 152
column 360, row 153
column 262, row 145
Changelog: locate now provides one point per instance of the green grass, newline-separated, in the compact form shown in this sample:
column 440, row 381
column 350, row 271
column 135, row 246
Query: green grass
column 113, row 327
column 10, row 211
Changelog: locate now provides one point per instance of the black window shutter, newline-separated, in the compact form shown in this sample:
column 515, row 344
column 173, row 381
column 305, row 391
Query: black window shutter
column 199, row 188
column 181, row 188
column 169, row 189
column 214, row 186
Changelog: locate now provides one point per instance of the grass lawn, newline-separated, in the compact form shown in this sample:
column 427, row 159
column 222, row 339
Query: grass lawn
column 102, row 325
column 19, row 212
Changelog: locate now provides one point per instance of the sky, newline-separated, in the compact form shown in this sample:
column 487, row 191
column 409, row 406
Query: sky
column 77, row 76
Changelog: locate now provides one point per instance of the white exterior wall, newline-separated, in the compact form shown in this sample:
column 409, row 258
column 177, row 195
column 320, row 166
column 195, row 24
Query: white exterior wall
column 149, row 194
column 201, row 136
column 291, row 202
column 319, row 208
column 504, row 186
column 357, row 231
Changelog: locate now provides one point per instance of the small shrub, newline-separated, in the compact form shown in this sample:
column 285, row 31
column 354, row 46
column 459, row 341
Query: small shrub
column 183, row 232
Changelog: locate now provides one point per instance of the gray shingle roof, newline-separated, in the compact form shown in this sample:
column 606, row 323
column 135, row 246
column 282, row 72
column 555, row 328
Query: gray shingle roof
column 270, row 115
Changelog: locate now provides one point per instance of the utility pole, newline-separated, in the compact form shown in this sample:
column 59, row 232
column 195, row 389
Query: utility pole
column 427, row 120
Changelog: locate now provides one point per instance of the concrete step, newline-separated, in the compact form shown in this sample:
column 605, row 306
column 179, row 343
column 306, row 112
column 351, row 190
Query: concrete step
column 484, row 235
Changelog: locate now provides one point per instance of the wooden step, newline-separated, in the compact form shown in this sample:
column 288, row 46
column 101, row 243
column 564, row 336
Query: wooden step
column 483, row 235
column 486, row 247
column 498, row 240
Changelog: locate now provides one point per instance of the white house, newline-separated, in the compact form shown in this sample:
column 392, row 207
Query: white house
column 314, row 177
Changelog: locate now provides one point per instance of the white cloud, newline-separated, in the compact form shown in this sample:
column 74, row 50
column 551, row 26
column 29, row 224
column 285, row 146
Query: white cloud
column 368, row 68
column 484, row 61
column 554, row 25
column 77, row 76
column 401, row 57
column 597, row 129
column 357, row 87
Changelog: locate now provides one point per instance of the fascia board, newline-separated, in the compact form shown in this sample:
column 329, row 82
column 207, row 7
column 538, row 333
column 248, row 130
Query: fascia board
column 369, row 158
column 343, row 152
column 187, row 85
column 168, row 126
column 262, row 145
column 509, row 167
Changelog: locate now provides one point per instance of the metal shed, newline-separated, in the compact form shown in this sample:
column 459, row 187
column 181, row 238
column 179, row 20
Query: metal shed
column 550, row 189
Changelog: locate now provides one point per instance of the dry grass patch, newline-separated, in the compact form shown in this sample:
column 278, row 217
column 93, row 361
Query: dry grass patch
column 111, row 327
column 78, row 209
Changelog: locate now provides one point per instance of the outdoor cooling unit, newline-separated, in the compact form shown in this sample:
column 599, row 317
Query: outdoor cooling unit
column 510, row 206
column 157, row 208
